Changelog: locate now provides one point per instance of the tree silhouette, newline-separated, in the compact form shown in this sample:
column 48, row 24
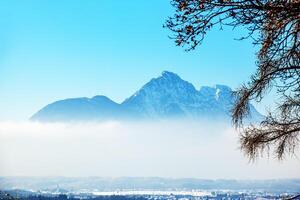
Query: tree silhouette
column 274, row 26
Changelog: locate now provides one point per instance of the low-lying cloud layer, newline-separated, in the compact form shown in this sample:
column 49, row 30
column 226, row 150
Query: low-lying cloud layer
column 165, row 149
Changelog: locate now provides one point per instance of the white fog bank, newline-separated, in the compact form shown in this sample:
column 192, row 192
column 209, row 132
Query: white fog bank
column 175, row 149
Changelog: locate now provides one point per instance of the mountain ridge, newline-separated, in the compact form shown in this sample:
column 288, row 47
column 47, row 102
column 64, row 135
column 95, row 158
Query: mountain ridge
column 166, row 96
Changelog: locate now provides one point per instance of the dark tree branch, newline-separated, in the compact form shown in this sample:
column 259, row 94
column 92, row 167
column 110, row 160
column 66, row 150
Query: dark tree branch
column 274, row 26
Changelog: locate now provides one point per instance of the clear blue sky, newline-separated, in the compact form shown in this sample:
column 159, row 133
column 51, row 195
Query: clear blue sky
column 56, row 49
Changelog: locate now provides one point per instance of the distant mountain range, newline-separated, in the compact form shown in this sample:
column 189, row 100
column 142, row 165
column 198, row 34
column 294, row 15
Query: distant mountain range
column 167, row 96
column 89, row 184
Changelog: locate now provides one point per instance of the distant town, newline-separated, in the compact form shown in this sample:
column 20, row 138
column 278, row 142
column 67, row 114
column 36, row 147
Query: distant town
column 150, row 195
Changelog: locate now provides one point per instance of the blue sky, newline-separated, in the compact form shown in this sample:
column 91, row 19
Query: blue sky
column 54, row 50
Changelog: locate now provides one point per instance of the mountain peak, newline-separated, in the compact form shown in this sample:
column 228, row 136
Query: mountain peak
column 169, row 74
column 166, row 75
column 223, row 87
column 100, row 98
column 167, row 81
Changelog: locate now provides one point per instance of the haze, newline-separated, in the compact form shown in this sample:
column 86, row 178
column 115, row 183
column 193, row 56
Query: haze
column 176, row 149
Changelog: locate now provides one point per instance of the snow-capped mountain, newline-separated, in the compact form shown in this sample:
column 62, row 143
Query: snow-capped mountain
column 162, row 97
